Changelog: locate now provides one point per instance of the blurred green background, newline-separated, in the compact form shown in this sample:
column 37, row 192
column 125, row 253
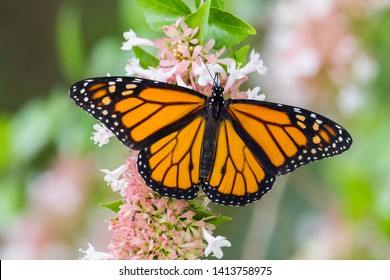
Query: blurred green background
column 328, row 56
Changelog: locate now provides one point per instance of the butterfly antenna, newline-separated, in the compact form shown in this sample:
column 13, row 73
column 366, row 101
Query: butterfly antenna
column 215, row 78
column 224, row 81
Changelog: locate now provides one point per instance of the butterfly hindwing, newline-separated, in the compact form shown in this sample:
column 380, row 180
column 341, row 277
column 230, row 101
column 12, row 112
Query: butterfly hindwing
column 284, row 137
column 237, row 176
column 137, row 111
column 171, row 165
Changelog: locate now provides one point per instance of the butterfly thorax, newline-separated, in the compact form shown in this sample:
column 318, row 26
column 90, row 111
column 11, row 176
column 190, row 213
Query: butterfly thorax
column 216, row 111
column 216, row 101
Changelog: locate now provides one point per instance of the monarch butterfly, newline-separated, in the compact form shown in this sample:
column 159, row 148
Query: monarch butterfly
column 233, row 149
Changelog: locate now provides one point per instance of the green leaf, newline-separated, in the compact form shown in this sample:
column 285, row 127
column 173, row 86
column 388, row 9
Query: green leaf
column 114, row 206
column 227, row 29
column 217, row 221
column 159, row 13
column 197, row 3
column 240, row 55
column 213, row 219
column 219, row 4
column 145, row 59
column 70, row 40
column 4, row 141
column 200, row 19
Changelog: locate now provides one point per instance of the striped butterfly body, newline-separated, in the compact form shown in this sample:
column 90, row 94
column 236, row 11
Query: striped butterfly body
column 233, row 149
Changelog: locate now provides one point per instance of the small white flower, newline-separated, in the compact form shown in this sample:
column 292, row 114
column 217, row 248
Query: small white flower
column 133, row 68
column 257, row 63
column 236, row 73
column 92, row 254
column 254, row 65
column 119, row 185
column 112, row 179
column 254, row 94
column 351, row 99
column 306, row 62
column 161, row 74
column 207, row 73
column 133, row 40
column 102, row 135
column 364, row 68
column 181, row 83
column 215, row 244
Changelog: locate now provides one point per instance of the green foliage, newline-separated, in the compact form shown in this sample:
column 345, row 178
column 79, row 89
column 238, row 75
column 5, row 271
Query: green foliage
column 202, row 212
column 145, row 59
column 219, row 4
column 214, row 3
column 49, row 126
column 210, row 217
column 4, row 143
column 214, row 23
column 159, row 13
column 34, row 135
column 227, row 29
column 240, row 55
column 114, row 206
column 69, row 41
column 200, row 18
column 376, row 38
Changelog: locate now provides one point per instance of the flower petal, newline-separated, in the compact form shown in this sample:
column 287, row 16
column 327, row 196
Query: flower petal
column 133, row 40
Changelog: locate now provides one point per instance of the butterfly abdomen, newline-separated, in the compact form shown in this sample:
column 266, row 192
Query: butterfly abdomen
column 209, row 143
column 214, row 113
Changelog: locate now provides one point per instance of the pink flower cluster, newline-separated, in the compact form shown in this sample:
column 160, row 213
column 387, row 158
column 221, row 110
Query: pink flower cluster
column 149, row 226
column 184, row 62
column 313, row 48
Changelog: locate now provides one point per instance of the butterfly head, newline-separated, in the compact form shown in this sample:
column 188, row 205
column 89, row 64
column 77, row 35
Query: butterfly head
column 217, row 100
column 217, row 91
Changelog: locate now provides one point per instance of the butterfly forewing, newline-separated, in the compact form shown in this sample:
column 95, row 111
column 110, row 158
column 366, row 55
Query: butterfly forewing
column 137, row 111
column 284, row 137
